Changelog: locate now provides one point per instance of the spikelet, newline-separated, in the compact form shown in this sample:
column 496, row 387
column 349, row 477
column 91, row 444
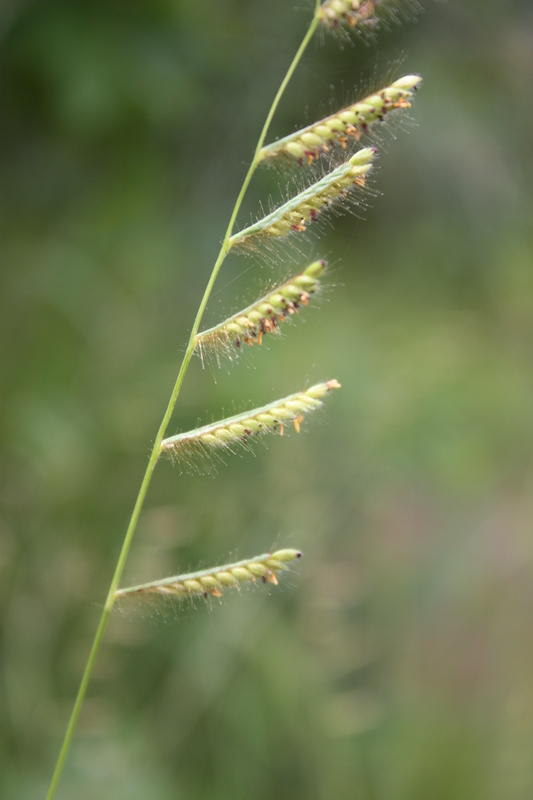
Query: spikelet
column 262, row 317
column 296, row 214
column 353, row 121
column 230, row 433
column 213, row 581
column 365, row 15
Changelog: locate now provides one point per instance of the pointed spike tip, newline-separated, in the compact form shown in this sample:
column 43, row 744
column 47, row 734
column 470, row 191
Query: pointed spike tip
column 363, row 156
column 408, row 82
column 287, row 554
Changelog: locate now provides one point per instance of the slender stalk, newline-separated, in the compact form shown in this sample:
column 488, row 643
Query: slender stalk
column 111, row 596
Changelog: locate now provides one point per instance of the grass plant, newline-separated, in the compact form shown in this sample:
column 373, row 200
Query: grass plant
column 344, row 175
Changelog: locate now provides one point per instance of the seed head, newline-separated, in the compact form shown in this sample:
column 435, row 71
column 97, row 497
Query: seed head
column 298, row 212
column 241, row 429
column 264, row 316
column 213, row 581
column 353, row 121
column 354, row 12
column 365, row 15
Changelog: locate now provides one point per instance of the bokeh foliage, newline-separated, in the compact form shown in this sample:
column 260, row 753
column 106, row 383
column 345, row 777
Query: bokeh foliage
column 397, row 664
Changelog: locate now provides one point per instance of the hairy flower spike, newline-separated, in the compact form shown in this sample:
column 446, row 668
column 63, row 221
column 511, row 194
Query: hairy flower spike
column 353, row 121
column 305, row 207
column 214, row 581
column 229, row 433
column 365, row 15
column 354, row 12
column 264, row 316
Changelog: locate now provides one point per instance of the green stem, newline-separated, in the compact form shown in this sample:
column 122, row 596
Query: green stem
column 166, row 419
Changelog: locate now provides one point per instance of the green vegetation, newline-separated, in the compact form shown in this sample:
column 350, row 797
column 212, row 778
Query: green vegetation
column 400, row 668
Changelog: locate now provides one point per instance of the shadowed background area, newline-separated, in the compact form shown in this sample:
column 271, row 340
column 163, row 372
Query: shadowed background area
column 396, row 662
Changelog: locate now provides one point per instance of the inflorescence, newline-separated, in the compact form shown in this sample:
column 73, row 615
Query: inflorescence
column 213, row 581
column 264, row 316
column 239, row 430
column 302, row 209
column 365, row 15
column 317, row 139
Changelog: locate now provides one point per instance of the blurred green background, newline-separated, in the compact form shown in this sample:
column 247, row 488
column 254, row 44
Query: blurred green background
column 396, row 663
